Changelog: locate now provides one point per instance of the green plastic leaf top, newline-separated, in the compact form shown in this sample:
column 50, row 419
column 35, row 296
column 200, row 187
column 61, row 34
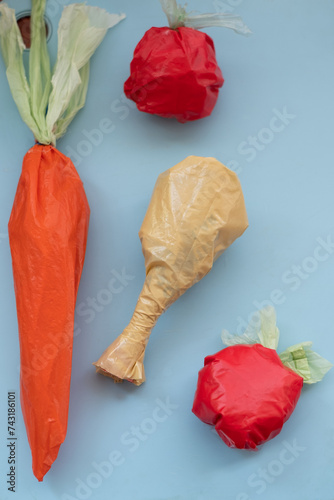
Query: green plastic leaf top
column 49, row 101
column 178, row 16
column 300, row 358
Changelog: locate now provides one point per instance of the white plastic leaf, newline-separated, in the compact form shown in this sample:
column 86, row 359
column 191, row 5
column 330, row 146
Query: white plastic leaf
column 267, row 331
column 303, row 360
column 262, row 329
column 230, row 21
column 12, row 47
column 77, row 102
column 39, row 70
column 175, row 13
column 80, row 32
column 246, row 338
column 178, row 16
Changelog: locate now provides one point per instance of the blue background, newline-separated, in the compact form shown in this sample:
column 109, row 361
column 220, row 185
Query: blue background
column 285, row 67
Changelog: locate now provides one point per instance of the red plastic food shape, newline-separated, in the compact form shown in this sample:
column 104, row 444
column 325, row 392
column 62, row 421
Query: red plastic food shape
column 248, row 391
column 174, row 72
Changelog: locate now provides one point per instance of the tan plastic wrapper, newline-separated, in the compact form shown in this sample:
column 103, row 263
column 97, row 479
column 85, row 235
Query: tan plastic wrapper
column 196, row 211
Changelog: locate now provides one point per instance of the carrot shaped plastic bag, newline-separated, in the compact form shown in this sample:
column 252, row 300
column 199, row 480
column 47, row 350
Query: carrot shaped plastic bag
column 196, row 211
column 49, row 220
column 48, row 232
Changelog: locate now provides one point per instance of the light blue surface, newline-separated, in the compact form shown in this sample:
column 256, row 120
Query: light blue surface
column 288, row 183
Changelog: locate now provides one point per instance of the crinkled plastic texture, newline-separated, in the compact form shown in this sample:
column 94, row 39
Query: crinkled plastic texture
column 300, row 357
column 247, row 394
column 262, row 330
column 196, row 211
column 303, row 360
column 49, row 221
column 178, row 16
column 48, row 106
column 81, row 30
column 47, row 234
column 174, row 74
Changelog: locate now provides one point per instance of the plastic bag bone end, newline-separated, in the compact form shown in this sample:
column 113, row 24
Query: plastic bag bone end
column 117, row 379
column 123, row 360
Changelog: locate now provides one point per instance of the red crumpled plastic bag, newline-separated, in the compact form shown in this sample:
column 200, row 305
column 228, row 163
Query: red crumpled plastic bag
column 247, row 393
column 174, row 74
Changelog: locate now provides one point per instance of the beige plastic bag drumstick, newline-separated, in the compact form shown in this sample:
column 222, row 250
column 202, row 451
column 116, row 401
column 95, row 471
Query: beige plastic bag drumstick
column 196, row 211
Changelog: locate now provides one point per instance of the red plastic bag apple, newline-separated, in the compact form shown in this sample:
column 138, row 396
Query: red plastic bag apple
column 174, row 72
column 248, row 391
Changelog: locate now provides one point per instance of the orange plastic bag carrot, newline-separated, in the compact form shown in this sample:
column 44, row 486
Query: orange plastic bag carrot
column 47, row 232
column 49, row 221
